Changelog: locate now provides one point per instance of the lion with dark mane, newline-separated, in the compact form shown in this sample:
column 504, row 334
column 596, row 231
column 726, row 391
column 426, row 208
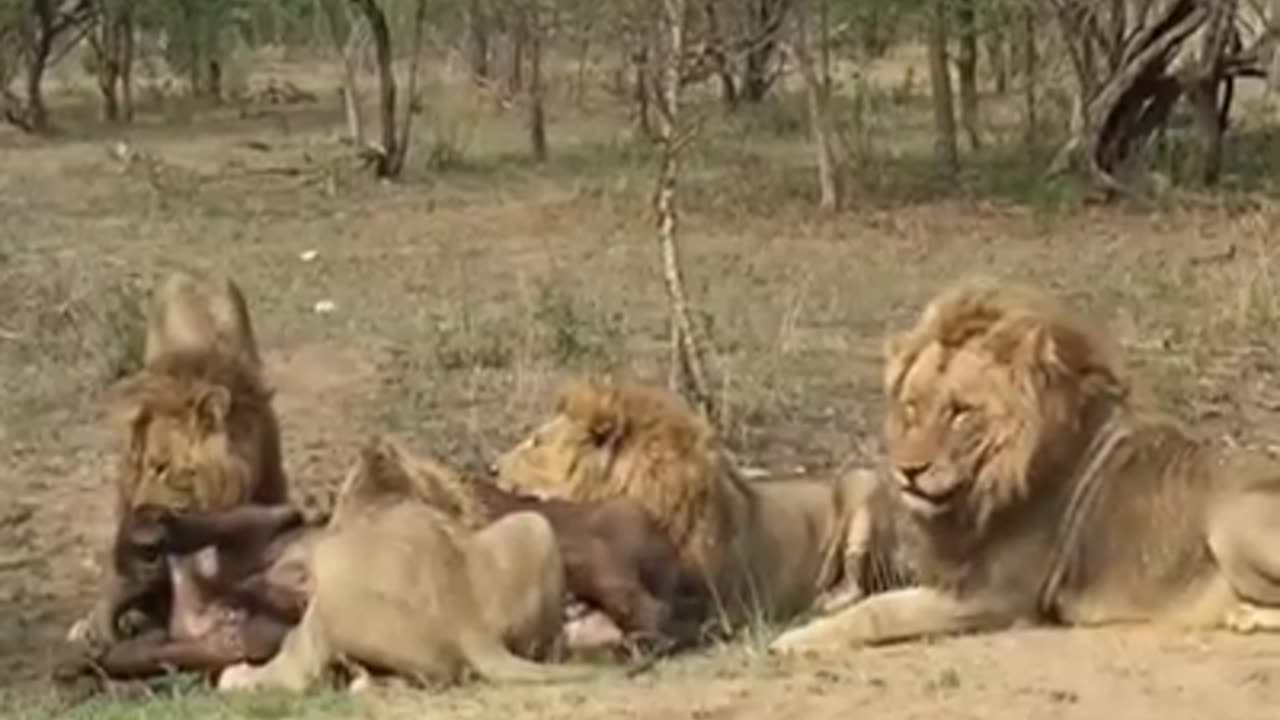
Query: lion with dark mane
column 1037, row 488
column 764, row 549
column 199, row 428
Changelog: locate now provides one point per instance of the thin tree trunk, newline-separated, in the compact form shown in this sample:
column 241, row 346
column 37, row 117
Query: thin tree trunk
column 519, row 35
column 945, row 147
column 818, row 101
column 1210, row 116
column 640, row 87
column 767, row 17
column 411, row 89
column 688, row 371
column 580, row 77
column 824, row 47
column 967, row 65
column 715, row 40
column 998, row 54
column 39, row 44
column 108, row 45
column 478, row 22
column 1030, row 71
column 125, row 79
column 537, row 113
column 347, row 50
column 373, row 14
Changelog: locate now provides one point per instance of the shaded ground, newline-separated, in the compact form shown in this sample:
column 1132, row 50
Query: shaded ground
column 460, row 297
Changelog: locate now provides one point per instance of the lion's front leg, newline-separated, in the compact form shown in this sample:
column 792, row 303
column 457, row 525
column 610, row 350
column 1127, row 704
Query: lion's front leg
column 898, row 615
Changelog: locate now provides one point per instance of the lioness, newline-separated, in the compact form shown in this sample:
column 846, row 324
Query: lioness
column 200, row 431
column 1036, row 488
column 617, row 558
column 398, row 587
column 763, row 548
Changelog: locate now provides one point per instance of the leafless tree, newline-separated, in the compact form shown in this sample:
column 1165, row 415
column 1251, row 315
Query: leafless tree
column 803, row 42
column 688, row 369
column 944, row 119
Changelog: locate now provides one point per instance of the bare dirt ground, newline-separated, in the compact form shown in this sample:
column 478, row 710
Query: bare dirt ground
column 460, row 296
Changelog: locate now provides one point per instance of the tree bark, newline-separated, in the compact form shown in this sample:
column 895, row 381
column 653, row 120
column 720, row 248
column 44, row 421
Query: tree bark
column 716, row 44
column 688, row 367
column 112, row 43
column 1030, row 71
column 125, row 79
column 967, row 66
column 478, row 23
column 1209, row 112
column 1136, row 95
column 385, row 166
column 39, row 31
column 537, row 113
column 347, row 49
column 641, row 88
column 998, row 54
column 767, row 17
column 819, row 107
column 411, row 90
column 519, row 35
column 946, row 151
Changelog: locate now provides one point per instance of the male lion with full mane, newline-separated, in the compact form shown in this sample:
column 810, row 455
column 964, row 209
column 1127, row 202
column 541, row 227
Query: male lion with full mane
column 767, row 550
column 200, row 433
column 1036, row 488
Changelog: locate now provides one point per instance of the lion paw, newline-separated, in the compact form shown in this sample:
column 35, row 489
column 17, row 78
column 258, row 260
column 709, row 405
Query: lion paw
column 1247, row 618
column 89, row 632
column 802, row 641
column 241, row 676
column 840, row 598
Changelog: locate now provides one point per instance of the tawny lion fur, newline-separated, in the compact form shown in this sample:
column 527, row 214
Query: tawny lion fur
column 762, row 547
column 200, row 432
column 617, row 557
column 400, row 588
column 1036, row 488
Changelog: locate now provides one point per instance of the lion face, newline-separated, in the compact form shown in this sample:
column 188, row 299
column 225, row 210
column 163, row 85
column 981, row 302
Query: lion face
column 180, row 457
column 560, row 458
column 942, row 429
column 990, row 394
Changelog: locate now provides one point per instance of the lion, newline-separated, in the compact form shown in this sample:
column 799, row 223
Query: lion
column 617, row 558
column 185, row 312
column 400, row 587
column 763, row 548
column 199, row 427
column 1039, row 486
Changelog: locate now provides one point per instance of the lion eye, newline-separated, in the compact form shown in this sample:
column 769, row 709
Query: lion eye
column 182, row 480
column 909, row 412
column 159, row 468
column 960, row 411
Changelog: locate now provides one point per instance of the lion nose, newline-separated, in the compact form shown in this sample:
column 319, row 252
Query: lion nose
column 913, row 472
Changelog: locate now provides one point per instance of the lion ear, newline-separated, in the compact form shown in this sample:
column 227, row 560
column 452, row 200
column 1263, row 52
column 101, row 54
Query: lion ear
column 1050, row 351
column 212, row 408
column 891, row 351
column 606, row 424
column 123, row 401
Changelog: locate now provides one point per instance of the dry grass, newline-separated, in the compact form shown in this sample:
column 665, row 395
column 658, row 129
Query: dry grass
column 461, row 294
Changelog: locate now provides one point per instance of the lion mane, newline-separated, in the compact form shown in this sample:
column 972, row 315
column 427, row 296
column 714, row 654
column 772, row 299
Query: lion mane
column 202, row 435
column 764, row 547
column 1036, row 484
